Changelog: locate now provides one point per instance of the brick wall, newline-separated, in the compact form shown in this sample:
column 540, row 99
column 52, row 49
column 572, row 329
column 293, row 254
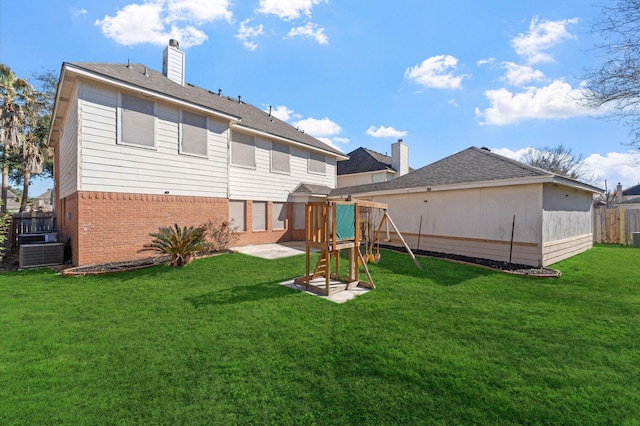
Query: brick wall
column 107, row 227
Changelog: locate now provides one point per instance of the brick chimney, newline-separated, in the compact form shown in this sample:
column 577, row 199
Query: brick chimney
column 400, row 158
column 173, row 62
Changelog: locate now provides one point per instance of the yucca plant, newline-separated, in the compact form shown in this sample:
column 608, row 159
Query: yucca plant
column 179, row 243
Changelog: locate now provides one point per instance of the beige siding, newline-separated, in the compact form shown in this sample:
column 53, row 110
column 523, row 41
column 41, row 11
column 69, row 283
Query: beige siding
column 567, row 213
column 362, row 179
column 558, row 250
column 112, row 167
column 68, row 147
column 263, row 184
column 473, row 222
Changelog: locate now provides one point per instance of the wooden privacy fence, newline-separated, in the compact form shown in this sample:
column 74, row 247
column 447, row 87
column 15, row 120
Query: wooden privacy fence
column 615, row 226
column 30, row 223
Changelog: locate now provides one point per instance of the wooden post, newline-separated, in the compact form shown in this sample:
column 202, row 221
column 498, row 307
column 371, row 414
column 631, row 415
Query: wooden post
column 403, row 241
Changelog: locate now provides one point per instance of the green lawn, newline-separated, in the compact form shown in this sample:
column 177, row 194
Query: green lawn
column 220, row 342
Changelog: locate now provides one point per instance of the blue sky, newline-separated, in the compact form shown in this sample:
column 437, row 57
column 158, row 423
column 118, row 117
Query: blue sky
column 441, row 75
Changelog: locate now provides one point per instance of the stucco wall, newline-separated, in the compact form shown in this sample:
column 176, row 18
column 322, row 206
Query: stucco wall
column 566, row 213
column 473, row 222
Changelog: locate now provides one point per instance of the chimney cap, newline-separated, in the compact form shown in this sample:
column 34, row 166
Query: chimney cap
column 174, row 43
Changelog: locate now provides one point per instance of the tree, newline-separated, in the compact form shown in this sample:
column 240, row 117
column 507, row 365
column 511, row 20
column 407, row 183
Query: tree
column 614, row 85
column 15, row 93
column 26, row 115
column 558, row 160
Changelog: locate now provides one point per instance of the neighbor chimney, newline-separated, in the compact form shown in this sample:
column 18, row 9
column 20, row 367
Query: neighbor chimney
column 400, row 158
column 173, row 62
column 619, row 193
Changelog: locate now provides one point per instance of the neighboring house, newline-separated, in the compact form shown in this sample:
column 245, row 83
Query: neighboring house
column 628, row 198
column 44, row 201
column 13, row 205
column 136, row 149
column 367, row 166
column 471, row 202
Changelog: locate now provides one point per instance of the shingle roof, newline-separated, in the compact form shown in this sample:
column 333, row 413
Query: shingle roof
column 635, row 200
column 465, row 167
column 363, row 160
column 634, row 190
column 251, row 117
column 308, row 188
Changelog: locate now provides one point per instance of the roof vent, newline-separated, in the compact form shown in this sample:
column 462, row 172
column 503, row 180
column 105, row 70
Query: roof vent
column 129, row 64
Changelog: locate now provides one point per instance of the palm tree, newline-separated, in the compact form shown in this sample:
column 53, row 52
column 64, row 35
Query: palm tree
column 18, row 111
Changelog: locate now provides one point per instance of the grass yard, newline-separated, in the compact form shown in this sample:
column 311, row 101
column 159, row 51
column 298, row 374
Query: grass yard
column 220, row 342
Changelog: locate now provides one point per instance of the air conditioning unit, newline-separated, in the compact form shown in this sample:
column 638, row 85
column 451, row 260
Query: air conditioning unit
column 33, row 255
column 635, row 239
column 48, row 237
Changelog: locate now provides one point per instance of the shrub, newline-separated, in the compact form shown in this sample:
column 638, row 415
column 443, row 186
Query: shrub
column 220, row 234
column 179, row 243
column 5, row 220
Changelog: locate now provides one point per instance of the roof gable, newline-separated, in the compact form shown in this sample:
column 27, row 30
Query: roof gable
column 247, row 115
column 364, row 160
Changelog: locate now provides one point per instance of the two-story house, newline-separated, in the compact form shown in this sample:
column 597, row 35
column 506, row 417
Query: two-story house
column 136, row 149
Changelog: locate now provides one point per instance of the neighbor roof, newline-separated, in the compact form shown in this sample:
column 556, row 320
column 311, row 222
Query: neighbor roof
column 634, row 190
column 363, row 160
column 248, row 115
column 473, row 165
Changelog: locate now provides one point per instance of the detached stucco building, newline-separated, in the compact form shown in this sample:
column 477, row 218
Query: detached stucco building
column 466, row 204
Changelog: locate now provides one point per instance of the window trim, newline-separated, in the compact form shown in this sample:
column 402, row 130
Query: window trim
column 181, row 135
column 119, row 123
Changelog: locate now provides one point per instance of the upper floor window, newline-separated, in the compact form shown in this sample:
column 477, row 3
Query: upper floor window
column 317, row 163
column 137, row 122
column 243, row 150
column 279, row 157
column 194, row 134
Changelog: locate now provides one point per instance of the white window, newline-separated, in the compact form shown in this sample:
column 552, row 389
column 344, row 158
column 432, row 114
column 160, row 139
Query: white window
column 279, row 157
column 259, row 215
column 298, row 216
column 317, row 163
column 279, row 215
column 137, row 123
column 194, row 134
column 243, row 150
column 237, row 214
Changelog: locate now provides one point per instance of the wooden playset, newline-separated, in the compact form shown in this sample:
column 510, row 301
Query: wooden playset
column 333, row 226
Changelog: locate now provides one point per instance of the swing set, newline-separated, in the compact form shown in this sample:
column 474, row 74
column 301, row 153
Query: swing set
column 333, row 226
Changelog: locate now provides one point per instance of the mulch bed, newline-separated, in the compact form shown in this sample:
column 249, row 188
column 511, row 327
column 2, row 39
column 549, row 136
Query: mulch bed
column 510, row 268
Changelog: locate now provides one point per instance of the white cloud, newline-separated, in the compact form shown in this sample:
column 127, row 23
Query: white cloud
column 453, row 102
column 248, row 34
column 77, row 12
column 517, row 75
column 436, row 72
column 385, row 132
column 288, row 9
column 485, row 61
column 614, row 167
column 157, row 21
column 310, row 31
column 558, row 100
column 541, row 37
column 283, row 113
column 623, row 167
column 318, row 127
